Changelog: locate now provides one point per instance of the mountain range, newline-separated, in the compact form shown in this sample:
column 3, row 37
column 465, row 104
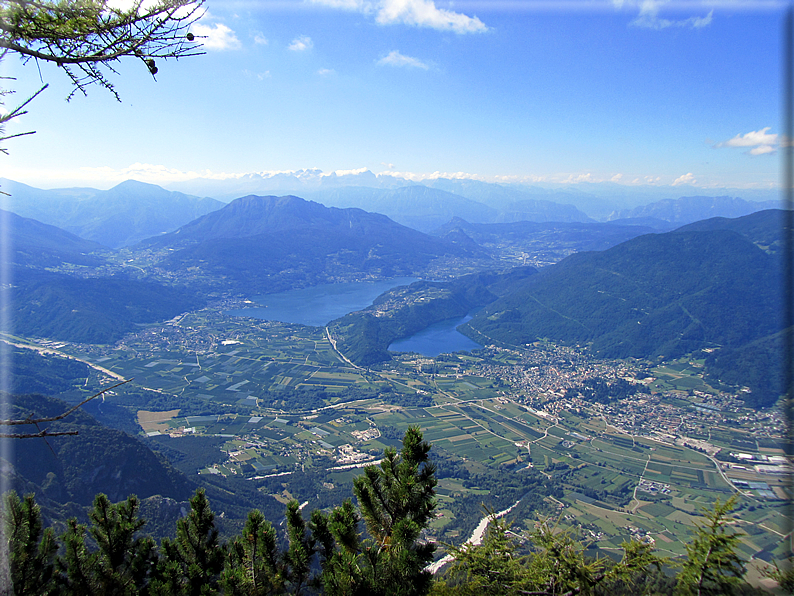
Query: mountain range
column 426, row 208
column 671, row 213
column 597, row 199
column 710, row 284
column 133, row 211
column 268, row 244
column 121, row 216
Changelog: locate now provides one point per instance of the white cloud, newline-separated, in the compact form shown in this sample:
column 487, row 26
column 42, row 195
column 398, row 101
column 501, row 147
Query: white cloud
column 326, row 72
column 301, row 44
column 257, row 75
column 762, row 150
column 751, row 139
column 260, row 39
column 418, row 177
column 155, row 174
column 649, row 16
column 574, row 178
column 685, row 179
column 216, row 37
column 355, row 172
column 395, row 58
column 357, row 5
column 424, row 13
column 760, row 140
column 416, row 13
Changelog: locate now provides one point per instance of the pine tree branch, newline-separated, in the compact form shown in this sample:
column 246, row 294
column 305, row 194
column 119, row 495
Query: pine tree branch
column 30, row 420
column 43, row 433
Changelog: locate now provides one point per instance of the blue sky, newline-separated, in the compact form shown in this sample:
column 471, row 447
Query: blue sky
column 648, row 92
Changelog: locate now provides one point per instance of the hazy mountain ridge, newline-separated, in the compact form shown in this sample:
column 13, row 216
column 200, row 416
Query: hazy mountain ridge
column 133, row 211
column 531, row 236
column 426, row 208
column 599, row 200
column 689, row 209
column 40, row 245
column 416, row 206
column 121, row 216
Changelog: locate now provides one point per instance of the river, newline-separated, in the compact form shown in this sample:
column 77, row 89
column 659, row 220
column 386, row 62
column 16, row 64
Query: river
column 474, row 540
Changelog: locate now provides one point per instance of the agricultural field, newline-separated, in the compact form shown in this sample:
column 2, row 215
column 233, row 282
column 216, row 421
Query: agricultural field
column 279, row 400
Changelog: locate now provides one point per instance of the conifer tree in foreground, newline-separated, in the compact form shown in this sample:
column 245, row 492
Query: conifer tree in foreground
column 712, row 565
column 252, row 567
column 122, row 563
column 28, row 551
column 557, row 564
column 192, row 563
column 396, row 501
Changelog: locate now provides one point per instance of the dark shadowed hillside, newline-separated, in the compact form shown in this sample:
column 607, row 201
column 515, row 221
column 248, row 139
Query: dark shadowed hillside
column 66, row 472
column 763, row 228
column 90, row 310
column 98, row 459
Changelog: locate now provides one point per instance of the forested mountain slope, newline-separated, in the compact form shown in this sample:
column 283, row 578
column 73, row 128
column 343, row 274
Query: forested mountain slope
column 91, row 309
column 268, row 244
column 658, row 295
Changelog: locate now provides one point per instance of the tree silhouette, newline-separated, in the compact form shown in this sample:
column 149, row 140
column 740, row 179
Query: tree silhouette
column 86, row 38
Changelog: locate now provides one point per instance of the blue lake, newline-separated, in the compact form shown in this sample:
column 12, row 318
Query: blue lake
column 439, row 338
column 318, row 305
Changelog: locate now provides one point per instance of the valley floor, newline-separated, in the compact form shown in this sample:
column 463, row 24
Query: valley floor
column 642, row 464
